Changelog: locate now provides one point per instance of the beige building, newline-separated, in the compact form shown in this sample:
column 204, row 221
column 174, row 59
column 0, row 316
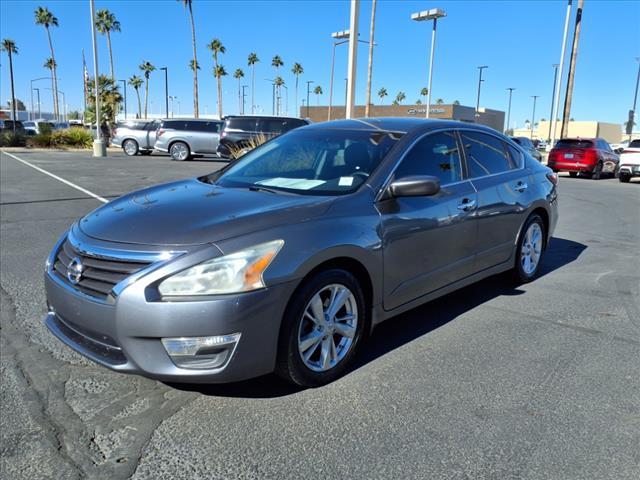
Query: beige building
column 488, row 117
column 611, row 132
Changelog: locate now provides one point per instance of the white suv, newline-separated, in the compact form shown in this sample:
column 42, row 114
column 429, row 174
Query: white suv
column 629, row 165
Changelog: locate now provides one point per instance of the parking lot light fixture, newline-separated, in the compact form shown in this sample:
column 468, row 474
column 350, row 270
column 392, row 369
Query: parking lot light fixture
column 99, row 147
column 341, row 37
column 511, row 89
column 309, row 82
column 433, row 14
column 166, row 90
column 124, row 89
column 533, row 116
column 481, row 68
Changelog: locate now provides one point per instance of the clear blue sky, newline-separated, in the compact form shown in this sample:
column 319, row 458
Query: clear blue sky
column 519, row 41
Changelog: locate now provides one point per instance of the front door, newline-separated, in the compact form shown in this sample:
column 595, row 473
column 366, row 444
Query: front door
column 428, row 242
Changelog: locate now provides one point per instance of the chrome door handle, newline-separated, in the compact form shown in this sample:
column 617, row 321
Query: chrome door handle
column 467, row 205
column 521, row 187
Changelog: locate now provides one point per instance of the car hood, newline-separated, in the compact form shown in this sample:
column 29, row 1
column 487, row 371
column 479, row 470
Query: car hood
column 192, row 212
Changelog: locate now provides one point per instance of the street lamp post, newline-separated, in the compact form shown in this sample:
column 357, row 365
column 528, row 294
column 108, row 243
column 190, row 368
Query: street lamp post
column 124, row 82
column 343, row 37
column 286, row 99
column 555, row 79
column 482, row 67
column 273, row 95
column 309, row 82
column 243, row 97
column 635, row 101
column 511, row 89
column 38, row 95
column 556, row 101
column 353, row 58
column 533, row 116
column 433, row 14
column 32, row 89
column 166, row 90
column 99, row 148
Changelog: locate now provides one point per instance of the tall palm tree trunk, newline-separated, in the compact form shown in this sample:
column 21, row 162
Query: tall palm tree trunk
column 113, row 75
column 219, row 96
column 139, row 105
column 239, row 97
column 253, row 88
column 146, row 96
column 54, row 76
column 13, row 95
column 196, row 112
column 297, row 112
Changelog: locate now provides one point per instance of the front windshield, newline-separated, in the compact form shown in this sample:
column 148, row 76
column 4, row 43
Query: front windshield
column 312, row 162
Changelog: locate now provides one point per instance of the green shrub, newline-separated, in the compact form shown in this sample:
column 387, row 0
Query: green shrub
column 72, row 137
column 41, row 140
column 10, row 139
column 45, row 129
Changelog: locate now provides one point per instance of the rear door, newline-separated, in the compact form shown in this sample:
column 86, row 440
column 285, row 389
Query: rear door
column 428, row 242
column 497, row 172
column 609, row 158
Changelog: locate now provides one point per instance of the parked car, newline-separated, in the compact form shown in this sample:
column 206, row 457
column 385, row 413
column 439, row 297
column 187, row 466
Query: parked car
column 592, row 156
column 287, row 258
column 630, row 162
column 35, row 127
column 8, row 125
column 528, row 146
column 183, row 138
column 238, row 131
column 619, row 147
column 541, row 145
column 135, row 136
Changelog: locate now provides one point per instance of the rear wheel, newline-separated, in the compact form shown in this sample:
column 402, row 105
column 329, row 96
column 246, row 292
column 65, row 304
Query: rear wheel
column 130, row 147
column 179, row 151
column 597, row 172
column 573, row 174
column 530, row 250
column 624, row 177
column 322, row 329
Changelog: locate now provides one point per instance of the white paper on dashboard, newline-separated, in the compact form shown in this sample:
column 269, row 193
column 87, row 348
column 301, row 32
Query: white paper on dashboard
column 345, row 181
column 295, row 183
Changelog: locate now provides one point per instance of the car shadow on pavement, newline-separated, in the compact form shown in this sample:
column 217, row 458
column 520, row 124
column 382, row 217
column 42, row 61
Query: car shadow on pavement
column 406, row 327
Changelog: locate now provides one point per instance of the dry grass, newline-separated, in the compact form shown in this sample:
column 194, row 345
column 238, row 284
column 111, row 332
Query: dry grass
column 248, row 145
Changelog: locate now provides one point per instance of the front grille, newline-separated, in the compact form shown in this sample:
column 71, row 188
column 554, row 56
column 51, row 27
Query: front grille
column 100, row 274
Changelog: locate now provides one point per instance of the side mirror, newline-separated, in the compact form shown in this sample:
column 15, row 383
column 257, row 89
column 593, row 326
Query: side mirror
column 619, row 150
column 415, row 186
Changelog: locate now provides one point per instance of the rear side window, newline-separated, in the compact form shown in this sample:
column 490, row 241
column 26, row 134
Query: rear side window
column 174, row 124
column 244, row 124
column 273, row 125
column 515, row 156
column 436, row 155
column 486, row 154
column 211, row 127
column 574, row 143
column 634, row 144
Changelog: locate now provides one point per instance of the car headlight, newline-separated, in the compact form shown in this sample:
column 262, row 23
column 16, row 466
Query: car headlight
column 237, row 272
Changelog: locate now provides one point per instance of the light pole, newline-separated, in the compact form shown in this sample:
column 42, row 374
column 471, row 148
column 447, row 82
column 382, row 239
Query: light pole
column 482, row 67
column 32, row 89
column 341, row 36
column 635, row 101
column 533, row 116
column 572, row 70
column 556, row 100
column 273, row 95
column 39, row 111
column 243, row 97
column 172, row 98
column 99, row 148
column 166, row 90
column 286, row 99
column 309, row 82
column 511, row 89
column 433, row 14
column 555, row 79
column 353, row 58
column 124, row 83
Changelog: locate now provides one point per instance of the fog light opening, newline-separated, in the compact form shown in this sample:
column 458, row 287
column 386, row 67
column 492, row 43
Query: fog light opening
column 201, row 352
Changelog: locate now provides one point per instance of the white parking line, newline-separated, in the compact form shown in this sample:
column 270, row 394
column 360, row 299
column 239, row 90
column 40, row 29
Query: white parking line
column 60, row 179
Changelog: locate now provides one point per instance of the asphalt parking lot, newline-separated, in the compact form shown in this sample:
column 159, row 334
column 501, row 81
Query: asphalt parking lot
column 540, row 381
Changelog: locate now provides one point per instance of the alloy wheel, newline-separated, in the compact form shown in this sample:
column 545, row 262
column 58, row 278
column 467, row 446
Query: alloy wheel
column 328, row 327
column 179, row 151
column 531, row 249
column 130, row 147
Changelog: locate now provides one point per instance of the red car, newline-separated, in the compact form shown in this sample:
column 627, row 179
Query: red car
column 592, row 156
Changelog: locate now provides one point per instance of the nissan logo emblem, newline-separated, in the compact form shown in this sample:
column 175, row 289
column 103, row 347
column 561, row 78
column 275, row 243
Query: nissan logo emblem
column 74, row 270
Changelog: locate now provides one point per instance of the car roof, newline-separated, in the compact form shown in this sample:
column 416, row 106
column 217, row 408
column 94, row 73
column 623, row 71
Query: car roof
column 190, row 119
column 397, row 124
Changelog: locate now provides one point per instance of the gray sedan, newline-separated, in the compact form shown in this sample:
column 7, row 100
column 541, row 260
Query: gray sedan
column 287, row 258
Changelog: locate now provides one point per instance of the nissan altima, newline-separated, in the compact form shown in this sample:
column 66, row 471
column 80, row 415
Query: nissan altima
column 286, row 259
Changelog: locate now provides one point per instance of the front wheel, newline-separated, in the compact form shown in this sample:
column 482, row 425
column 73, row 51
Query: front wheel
column 179, row 151
column 530, row 250
column 597, row 172
column 322, row 329
column 130, row 148
column 624, row 178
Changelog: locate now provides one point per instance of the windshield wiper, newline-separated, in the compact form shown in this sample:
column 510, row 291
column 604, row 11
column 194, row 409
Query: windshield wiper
column 260, row 188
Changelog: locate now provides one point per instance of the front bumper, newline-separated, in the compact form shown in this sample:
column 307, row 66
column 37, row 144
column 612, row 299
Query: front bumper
column 125, row 334
column 629, row 169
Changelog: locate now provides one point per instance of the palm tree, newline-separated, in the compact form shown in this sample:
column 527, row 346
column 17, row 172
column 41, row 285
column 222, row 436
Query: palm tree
column 439, row 101
column 382, row 93
column 9, row 46
column 106, row 23
column 110, row 98
column 418, row 102
column 456, row 102
column 50, row 65
column 424, row 92
column 297, row 70
column 239, row 74
column 400, row 97
column 136, row 82
column 318, row 92
column 146, row 68
column 47, row 19
column 217, row 47
column 251, row 61
column 277, row 62
column 194, row 63
column 219, row 72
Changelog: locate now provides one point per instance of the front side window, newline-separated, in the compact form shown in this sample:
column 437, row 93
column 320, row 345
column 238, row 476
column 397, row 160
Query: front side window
column 436, row 155
column 486, row 154
column 312, row 162
column 242, row 124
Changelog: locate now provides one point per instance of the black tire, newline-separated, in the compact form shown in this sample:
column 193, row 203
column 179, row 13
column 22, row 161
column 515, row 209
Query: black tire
column 290, row 365
column 573, row 174
column 597, row 172
column 179, row 151
column 130, row 147
column 519, row 273
column 624, row 178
